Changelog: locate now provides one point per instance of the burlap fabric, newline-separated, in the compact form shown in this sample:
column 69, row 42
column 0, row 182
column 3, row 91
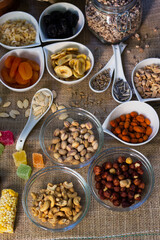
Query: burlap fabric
column 99, row 223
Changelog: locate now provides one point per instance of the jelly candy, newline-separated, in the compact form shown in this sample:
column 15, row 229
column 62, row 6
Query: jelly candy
column 1, row 148
column 37, row 160
column 24, row 171
column 19, row 157
column 6, row 137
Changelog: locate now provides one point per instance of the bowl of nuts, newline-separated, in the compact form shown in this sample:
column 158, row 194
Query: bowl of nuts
column 71, row 137
column 146, row 80
column 19, row 30
column 68, row 62
column 22, row 69
column 56, row 199
column 121, row 179
column 133, row 123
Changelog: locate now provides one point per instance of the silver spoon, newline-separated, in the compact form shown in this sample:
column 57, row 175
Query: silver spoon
column 32, row 120
column 121, row 91
column 108, row 70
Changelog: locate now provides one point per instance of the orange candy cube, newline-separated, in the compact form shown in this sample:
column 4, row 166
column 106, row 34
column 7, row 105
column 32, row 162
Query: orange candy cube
column 37, row 159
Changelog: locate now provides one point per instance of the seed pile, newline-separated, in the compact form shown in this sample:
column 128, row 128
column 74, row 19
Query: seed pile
column 101, row 81
column 121, row 90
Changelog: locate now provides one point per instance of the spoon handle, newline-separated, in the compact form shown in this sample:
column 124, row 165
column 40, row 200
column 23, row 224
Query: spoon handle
column 24, row 134
column 119, row 73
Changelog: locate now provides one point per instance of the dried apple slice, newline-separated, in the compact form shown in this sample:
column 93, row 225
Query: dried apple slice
column 64, row 59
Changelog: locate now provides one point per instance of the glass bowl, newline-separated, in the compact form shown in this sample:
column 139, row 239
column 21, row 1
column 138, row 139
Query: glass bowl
column 56, row 120
column 111, row 155
column 55, row 175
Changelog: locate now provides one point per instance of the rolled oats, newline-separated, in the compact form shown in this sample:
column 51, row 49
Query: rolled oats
column 17, row 33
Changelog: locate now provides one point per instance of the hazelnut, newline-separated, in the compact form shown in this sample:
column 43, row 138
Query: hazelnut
column 141, row 185
column 121, row 159
column 139, row 190
column 124, row 167
column 123, row 194
column 97, row 170
column 104, row 175
column 133, row 187
column 115, row 165
column 122, row 189
column 125, row 204
column 137, row 181
column 132, row 166
column 115, row 196
column 103, row 182
column 126, row 174
column 116, row 182
column 107, row 194
column 137, row 197
column 108, row 165
column 109, row 185
column 140, row 171
column 116, row 189
column 121, row 177
column 130, row 194
column 97, row 178
column 109, row 178
column 98, row 185
column 135, row 175
column 116, row 203
column 118, row 171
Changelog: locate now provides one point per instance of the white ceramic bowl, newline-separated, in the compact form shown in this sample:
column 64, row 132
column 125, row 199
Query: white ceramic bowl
column 35, row 54
column 17, row 15
column 140, row 108
column 55, row 47
column 142, row 64
column 62, row 6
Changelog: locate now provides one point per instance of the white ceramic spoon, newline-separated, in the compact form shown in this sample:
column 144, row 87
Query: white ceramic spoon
column 110, row 65
column 121, row 91
column 32, row 121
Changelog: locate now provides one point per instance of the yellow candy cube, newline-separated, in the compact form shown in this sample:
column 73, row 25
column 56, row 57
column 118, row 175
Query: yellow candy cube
column 20, row 157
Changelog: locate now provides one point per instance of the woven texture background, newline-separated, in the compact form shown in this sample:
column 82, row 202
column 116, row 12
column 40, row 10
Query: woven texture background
column 99, row 223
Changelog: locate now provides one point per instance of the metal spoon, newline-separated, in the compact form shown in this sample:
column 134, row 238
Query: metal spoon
column 108, row 69
column 32, row 120
column 121, row 91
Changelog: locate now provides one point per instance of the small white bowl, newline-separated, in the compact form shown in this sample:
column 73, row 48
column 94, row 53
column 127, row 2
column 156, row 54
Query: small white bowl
column 55, row 47
column 62, row 6
column 142, row 64
column 140, row 108
column 35, row 54
column 17, row 15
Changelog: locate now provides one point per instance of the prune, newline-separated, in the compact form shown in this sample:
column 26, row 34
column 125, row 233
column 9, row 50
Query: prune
column 59, row 24
column 72, row 18
column 52, row 31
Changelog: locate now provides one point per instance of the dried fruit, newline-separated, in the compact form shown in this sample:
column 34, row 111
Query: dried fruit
column 63, row 71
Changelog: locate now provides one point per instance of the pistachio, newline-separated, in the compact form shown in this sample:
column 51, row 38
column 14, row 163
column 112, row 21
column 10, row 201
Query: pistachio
column 55, row 140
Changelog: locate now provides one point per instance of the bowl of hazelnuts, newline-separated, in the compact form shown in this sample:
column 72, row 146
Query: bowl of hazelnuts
column 121, row 179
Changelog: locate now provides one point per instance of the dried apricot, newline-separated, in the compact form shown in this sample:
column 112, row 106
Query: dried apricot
column 20, row 80
column 8, row 62
column 14, row 66
column 35, row 77
column 25, row 70
column 35, row 66
column 5, row 76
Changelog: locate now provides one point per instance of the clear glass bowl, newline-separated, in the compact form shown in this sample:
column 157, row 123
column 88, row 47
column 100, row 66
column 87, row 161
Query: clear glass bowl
column 111, row 155
column 55, row 174
column 53, row 122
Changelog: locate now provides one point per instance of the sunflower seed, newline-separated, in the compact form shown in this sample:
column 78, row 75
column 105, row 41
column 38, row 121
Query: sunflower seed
column 27, row 113
column 12, row 115
column 15, row 112
column 20, row 104
column 4, row 115
column 6, row 104
column 54, row 93
column 25, row 103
